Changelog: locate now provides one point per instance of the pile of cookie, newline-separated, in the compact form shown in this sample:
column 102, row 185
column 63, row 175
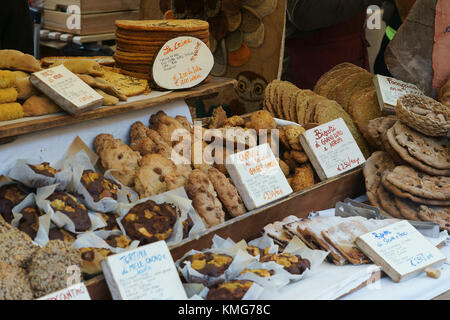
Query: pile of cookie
column 236, row 27
column 333, row 234
column 293, row 161
column 410, row 177
column 27, row 271
column 286, row 101
column 139, row 41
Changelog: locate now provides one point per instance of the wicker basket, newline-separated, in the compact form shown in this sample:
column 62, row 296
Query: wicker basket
column 424, row 114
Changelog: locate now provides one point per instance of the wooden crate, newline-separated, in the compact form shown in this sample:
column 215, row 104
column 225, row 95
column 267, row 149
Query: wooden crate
column 96, row 23
column 93, row 6
column 321, row 196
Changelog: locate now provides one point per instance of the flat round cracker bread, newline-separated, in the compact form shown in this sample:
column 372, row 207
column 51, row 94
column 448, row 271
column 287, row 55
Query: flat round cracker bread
column 365, row 110
column 387, row 201
column 330, row 75
column 352, row 84
column 408, row 209
column 302, row 103
column 440, row 215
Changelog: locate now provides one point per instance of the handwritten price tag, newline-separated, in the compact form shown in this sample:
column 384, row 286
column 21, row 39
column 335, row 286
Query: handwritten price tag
column 332, row 149
column 182, row 63
column 257, row 176
column 75, row 292
column 146, row 273
column 400, row 249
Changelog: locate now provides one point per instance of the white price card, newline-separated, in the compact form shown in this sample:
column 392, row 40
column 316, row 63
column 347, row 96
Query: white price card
column 257, row 176
column 145, row 273
column 75, row 292
column 67, row 90
column 400, row 250
column 389, row 90
column 332, row 149
column 182, row 63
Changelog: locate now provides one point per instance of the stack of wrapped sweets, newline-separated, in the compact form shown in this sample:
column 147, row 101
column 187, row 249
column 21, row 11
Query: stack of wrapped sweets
column 138, row 42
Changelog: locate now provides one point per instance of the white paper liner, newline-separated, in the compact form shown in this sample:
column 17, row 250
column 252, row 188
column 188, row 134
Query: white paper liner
column 81, row 162
column 60, row 219
column 253, row 293
column 183, row 205
column 23, row 173
column 41, row 238
column 316, row 257
column 96, row 239
column 240, row 260
column 193, row 289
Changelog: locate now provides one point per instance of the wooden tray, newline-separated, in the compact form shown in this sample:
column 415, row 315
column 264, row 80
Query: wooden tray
column 249, row 226
column 11, row 130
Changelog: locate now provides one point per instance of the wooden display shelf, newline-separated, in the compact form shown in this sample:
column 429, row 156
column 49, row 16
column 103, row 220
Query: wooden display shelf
column 250, row 225
column 43, row 123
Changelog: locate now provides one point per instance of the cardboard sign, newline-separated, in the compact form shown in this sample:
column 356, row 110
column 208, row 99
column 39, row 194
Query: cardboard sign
column 389, row 90
column 257, row 176
column 182, row 63
column 332, row 149
column 75, row 292
column 400, row 250
column 66, row 89
column 146, row 273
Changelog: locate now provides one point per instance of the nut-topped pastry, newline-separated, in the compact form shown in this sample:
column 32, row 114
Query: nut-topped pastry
column 263, row 273
column 44, row 169
column 98, row 186
column 294, row 264
column 150, row 222
column 10, row 196
column 74, row 209
column 231, row 290
column 208, row 263
column 29, row 223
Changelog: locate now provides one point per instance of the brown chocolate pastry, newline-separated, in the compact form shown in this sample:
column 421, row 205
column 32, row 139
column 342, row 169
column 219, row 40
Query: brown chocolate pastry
column 118, row 241
column 44, row 169
column 91, row 260
column 29, row 223
column 110, row 219
column 255, row 251
column 293, row 264
column 150, row 222
column 209, row 264
column 263, row 273
column 61, row 234
column 187, row 226
column 71, row 207
column 231, row 290
column 98, row 186
column 10, row 196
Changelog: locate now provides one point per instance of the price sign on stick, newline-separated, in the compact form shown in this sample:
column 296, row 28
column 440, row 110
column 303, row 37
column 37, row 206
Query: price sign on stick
column 182, row 63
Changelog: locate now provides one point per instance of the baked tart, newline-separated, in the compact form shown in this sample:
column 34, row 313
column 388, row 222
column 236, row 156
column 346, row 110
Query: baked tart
column 10, row 196
column 293, row 264
column 98, row 186
column 263, row 273
column 72, row 208
column 29, row 223
column 209, row 264
column 231, row 290
column 149, row 222
column 44, row 169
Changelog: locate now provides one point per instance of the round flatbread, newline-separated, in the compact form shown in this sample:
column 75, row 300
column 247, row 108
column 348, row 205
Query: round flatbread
column 387, row 201
column 408, row 209
column 365, row 110
column 352, row 84
column 440, row 215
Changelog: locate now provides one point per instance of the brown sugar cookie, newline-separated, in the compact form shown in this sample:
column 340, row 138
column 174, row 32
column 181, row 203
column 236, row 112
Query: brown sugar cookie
column 250, row 20
column 287, row 91
column 353, row 83
column 227, row 193
column 326, row 76
column 440, row 215
column 432, row 151
column 420, row 184
column 405, row 195
column 334, row 79
column 301, row 104
column 408, row 209
column 303, row 178
column 408, row 158
column 201, row 191
column 150, row 176
column 373, row 171
column 365, row 110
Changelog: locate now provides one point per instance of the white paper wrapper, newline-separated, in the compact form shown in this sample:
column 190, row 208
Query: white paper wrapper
column 240, row 260
column 278, row 280
column 265, row 242
column 252, row 294
column 183, row 205
column 316, row 257
column 23, row 173
column 41, row 238
column 96, row 240
column 81, row 162
column 59, row 218
column 193, row 289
